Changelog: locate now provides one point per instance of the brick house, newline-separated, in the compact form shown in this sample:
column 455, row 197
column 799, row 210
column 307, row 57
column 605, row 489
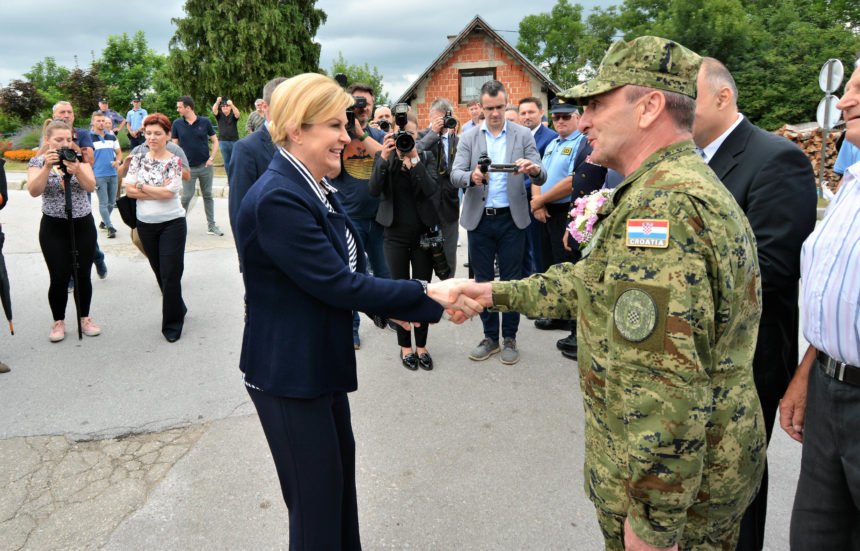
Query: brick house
column 472, row 57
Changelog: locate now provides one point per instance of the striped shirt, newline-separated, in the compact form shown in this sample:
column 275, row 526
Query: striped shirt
column 321, row 190
column 830, row 264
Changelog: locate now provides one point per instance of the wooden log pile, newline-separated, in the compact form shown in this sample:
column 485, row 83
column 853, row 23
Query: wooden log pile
column 808, row 137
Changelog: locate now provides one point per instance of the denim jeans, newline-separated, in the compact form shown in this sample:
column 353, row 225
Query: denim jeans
column 106, row 191
column 226, row 153
column 370, row 232
column 204, row 174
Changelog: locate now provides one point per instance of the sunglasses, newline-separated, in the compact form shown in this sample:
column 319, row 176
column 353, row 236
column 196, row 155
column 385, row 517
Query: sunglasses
column 562, row 116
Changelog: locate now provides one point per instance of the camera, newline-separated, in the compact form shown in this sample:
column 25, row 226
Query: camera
column 403, row 140
column 224, row 100
column 359, row 102
column 384, row 125
column 69, row 154
column 432, row 241
column 484, row 162
column 448, row 121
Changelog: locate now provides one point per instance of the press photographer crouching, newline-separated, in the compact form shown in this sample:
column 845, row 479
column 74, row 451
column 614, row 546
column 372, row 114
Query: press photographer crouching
column 402, row 180
column 58, row 237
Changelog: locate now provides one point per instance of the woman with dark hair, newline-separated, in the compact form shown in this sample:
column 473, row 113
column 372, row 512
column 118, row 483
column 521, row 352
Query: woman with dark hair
column 155, row 180
column 403, row 181
column 45, row 179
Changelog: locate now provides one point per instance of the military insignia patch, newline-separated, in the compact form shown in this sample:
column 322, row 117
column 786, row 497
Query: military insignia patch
column 648, row 232
column 566, row 150
column 635, row 315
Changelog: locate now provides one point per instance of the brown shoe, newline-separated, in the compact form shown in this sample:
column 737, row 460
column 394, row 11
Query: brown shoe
column 4, row 368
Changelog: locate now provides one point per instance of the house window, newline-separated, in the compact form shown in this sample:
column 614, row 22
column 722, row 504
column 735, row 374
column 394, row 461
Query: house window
column 471, row 81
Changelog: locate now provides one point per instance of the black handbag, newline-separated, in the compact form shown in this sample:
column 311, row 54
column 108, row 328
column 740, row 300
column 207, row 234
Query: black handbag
column 127, row 208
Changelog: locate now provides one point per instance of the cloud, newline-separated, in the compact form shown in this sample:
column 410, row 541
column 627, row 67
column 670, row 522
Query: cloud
column 400, row 39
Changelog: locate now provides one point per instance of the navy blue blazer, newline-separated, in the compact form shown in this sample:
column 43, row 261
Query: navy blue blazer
column 299, row 290
column 251, row 157
column 542, row 138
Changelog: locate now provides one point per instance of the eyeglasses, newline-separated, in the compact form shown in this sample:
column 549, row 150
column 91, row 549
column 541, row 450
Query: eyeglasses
column 562, row 116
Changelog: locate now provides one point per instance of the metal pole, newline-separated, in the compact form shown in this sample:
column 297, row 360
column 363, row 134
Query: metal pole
column 824, row 132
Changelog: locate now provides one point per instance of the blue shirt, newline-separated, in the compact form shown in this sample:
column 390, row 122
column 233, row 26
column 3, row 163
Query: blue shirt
column 352, row 182
column 105, row 153
column 829, row 264
column 135, row 118
column 193, row 139
column 497, row 182
column 82, row 137
column 558, row 161
column 849, row 154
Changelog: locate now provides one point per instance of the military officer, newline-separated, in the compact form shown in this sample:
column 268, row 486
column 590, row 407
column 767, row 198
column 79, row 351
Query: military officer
column 668, row 298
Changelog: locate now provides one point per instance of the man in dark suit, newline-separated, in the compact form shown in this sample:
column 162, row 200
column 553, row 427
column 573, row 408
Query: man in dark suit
column 773, row 182
column 495, row 208
column 251, row 157
column 442, row 143
column 530, row 114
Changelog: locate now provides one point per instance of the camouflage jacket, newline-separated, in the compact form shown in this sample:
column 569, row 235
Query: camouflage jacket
column 668, row 296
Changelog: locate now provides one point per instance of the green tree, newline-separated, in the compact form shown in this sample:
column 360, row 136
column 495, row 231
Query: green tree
column 234, row 47
column 21, row 99
column 83, row 88
column 47, row 76
column 161, row 97
column 361, row 73
column 127, row 67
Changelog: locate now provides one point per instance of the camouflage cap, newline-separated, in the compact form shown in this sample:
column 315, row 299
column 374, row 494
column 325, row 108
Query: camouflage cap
column 645, row 61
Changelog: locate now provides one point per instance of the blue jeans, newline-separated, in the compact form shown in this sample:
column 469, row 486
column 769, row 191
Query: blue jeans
column 204, row 174
column 370, row 233
column 106, row 191
column 226, row 153
column 497, row 235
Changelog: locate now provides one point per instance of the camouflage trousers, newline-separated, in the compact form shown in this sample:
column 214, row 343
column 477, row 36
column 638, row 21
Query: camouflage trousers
column 697, row 536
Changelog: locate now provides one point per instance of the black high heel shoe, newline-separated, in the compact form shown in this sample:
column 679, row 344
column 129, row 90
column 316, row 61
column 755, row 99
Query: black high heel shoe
column 409, row 361
column 425, row 362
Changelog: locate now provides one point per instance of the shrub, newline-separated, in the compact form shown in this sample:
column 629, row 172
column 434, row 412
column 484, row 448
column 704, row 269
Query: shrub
column 29, row 140
column 20, row 155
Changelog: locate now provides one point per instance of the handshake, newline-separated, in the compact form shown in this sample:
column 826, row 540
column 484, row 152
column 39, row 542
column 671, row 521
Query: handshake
column 461, row 298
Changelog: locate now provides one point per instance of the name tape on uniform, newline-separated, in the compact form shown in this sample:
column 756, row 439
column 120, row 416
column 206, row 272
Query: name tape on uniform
column 648, row 232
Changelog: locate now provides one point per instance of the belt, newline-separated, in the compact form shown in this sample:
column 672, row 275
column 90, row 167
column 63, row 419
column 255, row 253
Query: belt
column 840, row 371
column 495, row 211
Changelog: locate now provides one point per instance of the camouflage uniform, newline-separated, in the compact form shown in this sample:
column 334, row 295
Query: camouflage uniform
column 675, row 440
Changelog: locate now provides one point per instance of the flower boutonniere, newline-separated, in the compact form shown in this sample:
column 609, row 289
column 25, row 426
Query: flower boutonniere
column 583, row 216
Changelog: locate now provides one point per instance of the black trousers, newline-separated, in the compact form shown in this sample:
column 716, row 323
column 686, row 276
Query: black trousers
column 402, row 251
column 314, row 452
column 164, row 244
column 826, row 514
column 552, row 235
column 55, row 242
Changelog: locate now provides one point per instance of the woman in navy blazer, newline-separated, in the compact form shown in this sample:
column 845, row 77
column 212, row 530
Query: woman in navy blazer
column 304, row 275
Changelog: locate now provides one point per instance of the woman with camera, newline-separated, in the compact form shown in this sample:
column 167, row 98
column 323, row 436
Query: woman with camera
column 155, row 180
column 45, row 177
column 304, row 269
column 402, row 179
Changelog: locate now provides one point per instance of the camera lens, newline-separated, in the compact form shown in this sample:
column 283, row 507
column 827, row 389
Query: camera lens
column 404, row 142
column 384, row 125
column 450, row 123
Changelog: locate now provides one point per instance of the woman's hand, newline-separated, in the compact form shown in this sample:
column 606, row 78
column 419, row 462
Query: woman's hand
column 51, row 159
column 387, row 146
column 73, row 167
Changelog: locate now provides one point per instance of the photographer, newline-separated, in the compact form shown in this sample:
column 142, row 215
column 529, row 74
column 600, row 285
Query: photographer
column 383, row 119
column 352, row 183
column 407, row 189
column 227, row 117
column 441, row 140
column 45, row 179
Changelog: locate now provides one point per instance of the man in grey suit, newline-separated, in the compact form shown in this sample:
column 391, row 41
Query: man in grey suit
column 495, row 208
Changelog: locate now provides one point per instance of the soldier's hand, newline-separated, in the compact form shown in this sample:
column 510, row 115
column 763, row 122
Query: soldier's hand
column 632, row 542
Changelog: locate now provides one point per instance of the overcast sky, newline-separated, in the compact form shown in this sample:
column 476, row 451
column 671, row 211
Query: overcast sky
column 398, row 38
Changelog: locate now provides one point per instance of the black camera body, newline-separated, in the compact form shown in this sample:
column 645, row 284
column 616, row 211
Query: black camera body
column 384, row 125
column 403, row 140
column 448, row 121
column 432, row 241
column 224, row 100
column 68, row 154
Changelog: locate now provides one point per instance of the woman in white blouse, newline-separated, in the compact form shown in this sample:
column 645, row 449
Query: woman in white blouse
column 155, row 180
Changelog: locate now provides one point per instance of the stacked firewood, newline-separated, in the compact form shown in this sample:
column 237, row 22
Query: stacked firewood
column 808, row 137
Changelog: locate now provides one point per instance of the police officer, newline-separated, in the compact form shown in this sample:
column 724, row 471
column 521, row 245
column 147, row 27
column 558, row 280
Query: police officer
column 668, row 297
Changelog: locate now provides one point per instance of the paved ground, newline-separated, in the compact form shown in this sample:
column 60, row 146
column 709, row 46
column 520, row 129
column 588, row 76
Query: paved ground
column 126, row 442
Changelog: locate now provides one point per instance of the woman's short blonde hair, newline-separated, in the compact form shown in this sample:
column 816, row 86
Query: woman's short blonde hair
column 50, row 126
column 303, row 100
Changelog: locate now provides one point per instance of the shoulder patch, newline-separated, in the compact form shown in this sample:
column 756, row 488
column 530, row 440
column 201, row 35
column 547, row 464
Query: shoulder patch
column 648, row 232
column 639, row 315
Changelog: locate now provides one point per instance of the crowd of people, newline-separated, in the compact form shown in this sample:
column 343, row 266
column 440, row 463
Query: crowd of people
column 681, row 294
